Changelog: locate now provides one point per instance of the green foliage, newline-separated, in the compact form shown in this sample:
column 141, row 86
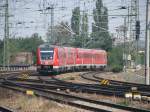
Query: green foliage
column 80, row 38
column 141, row 58
column 75, row 26
column 1, row 54
column 22, row 45
column 115, row 59
column 77, row 41
column 75, row 20
column 116, row 68
column 100, row 35
column 125, row 102
column 61, row 34
column 84, row 30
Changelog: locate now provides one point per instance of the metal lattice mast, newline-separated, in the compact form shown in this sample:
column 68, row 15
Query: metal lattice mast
column 52, row 21
column 134, row 11
column 6, row 36
column 132, row 19
column 47, row 9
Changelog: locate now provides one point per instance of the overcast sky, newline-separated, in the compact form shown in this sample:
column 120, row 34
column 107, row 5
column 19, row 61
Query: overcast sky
column 27, row 19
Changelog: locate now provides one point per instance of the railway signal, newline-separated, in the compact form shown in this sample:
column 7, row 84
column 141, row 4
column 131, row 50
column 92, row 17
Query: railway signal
column 137, row 30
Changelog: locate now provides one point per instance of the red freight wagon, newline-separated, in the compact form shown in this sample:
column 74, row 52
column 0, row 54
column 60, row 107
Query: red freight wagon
column 59, row 59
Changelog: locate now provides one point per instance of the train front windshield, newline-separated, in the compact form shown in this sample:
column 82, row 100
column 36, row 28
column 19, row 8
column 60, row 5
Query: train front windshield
column 47, row 54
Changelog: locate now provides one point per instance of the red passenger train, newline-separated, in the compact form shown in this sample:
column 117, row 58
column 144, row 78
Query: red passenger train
column 60, row 59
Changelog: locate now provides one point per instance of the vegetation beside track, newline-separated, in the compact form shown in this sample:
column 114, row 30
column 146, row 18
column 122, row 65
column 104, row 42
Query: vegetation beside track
column 24, row 103
column 115, row 60
column 22, row 45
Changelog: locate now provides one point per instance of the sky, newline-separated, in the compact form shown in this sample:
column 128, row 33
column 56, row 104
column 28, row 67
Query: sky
column 27, row 17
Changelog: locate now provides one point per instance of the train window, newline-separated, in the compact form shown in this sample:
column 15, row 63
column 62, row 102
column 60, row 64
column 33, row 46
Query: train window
column 47, row 55
column 46, row 49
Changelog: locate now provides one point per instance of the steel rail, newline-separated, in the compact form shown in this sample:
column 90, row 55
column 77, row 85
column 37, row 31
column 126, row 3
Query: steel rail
column 59, row 100
column 5, row 109
column 105, row 90
column 84, row 99
column 123, row 83
column 89, row 88
column 97, row 79
column 123, row 88
column 140, row 87
column 13, row 74
column 73, row 88
column 99, row 89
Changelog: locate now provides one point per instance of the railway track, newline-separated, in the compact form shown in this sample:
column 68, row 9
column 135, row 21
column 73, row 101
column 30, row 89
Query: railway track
column 52, row 85
column 85, row 88
column 118, row 90
column 74, row 88
column 73, row 100
column 5, row 109
column 111, row 88
column 96, row 78
column 122, row 83
column 13, row 74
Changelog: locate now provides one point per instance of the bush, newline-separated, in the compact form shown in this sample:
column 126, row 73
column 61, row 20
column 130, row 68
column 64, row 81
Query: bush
column 117, row 68
column 115, row 59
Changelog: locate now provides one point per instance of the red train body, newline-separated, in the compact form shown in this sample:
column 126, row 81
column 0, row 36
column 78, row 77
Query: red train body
column 59, row 59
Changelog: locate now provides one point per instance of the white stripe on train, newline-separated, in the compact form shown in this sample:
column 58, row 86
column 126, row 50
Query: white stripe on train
column 78, row 65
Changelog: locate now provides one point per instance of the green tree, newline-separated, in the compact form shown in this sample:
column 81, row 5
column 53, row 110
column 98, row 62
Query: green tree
column 100, row 35
column 1, row 50
column 28, row 44
column 31, row 44
column 75, row 26
column 84, row 29
column 75, row 20
column 61, row 34
column 115, row 58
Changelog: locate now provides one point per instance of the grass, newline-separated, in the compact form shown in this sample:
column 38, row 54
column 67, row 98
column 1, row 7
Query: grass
column 68, row 78
column 125, row 103
column 133, row 77
column 22, row 103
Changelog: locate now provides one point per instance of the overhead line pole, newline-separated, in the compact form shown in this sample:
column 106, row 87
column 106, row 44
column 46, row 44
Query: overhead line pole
column 147, row 35
column 51, row 9
column 52, row 21
column 124, row 49
column 137, row 33
column 6, row 36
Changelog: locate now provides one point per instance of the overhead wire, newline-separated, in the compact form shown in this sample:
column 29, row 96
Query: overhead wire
column 77, row 4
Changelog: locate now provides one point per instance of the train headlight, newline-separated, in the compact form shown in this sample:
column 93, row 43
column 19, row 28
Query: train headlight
column 38, row 67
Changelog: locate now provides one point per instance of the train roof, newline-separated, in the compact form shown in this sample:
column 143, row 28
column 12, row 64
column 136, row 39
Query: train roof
column 53, row 46
column 46, row 45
